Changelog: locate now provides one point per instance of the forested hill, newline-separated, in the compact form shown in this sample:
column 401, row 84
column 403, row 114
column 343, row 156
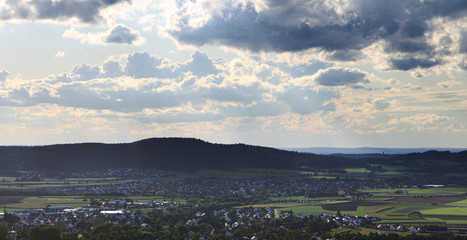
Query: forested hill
column 187, row 154
column 183, row 154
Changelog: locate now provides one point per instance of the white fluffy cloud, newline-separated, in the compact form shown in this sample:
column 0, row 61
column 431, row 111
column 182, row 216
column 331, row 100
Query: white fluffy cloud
column 151, row 82
column 3, row 75
column 119, row 34
column 60, row 54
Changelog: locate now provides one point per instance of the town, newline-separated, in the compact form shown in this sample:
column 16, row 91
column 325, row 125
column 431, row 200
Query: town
column 150, row 204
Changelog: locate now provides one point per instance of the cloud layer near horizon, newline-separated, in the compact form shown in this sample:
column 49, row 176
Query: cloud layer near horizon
column 151, row 82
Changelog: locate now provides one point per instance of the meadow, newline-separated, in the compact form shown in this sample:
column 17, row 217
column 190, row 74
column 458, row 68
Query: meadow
column 442, row 207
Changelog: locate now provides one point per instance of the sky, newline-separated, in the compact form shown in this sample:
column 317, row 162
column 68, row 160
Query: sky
column 296, row 73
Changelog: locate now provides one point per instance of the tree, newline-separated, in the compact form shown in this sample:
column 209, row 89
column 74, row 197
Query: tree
column 4, row 232
column 10, row 219
column 70, row 236
column 44, row 232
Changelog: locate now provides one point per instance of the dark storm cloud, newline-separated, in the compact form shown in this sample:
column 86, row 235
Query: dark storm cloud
column 447, row 8
column 85, row 10
column 248, row 30
column 411, row 63
column 303, row 24
column 463, row 43
column 408, row 45
column 345, row 55
column 340, row 77
column 122, row 34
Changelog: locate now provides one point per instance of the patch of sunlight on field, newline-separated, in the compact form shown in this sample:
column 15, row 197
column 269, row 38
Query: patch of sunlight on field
column 459, row 203
column 446, row 211
column 305, row 198
column 417, row 191
column 272, row 205
column 361, row 210
column 357, row 170
column 320, row 177
column 42, row 202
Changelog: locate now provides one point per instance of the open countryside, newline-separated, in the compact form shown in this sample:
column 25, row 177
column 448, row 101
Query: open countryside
column 382, row 195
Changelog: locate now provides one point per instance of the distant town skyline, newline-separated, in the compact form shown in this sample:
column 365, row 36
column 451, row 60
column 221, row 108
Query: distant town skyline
column 390, row 74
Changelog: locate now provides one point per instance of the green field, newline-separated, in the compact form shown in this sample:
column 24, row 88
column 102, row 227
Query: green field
column 299, row 198
column 462, row 203
column 417, row 191
column 446, row 211
column 37, row 184
column 356, row 170
column 441, row 206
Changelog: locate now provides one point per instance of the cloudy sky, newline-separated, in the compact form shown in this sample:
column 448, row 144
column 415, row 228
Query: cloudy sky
column 296, row 73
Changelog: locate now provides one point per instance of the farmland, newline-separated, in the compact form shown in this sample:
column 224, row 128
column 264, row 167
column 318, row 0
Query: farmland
column 370, row 197
column 407, row 206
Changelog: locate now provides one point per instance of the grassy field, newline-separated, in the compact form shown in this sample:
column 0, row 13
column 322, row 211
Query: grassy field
column 42, row 202
column 446, row 211
column 300, row 198
column 440, row 208
column 55, row 183
column 360, row 171
column 462, row 203
column 356, row 170
column 416, row 191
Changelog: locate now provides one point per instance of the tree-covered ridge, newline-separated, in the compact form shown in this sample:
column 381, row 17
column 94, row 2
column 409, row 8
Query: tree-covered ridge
column 183, row 154
column 187, row 154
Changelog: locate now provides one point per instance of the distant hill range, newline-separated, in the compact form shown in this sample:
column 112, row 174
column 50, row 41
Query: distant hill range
column 370, row 150
column 187, row 154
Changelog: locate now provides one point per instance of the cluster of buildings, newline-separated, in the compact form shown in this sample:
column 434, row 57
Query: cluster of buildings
column 263, row 187
column 117, row 212
column 412, row 229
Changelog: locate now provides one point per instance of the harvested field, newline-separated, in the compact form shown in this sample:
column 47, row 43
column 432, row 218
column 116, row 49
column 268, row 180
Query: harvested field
column 415, row 215
column 350, row 206
column 10, row 199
